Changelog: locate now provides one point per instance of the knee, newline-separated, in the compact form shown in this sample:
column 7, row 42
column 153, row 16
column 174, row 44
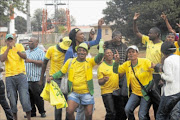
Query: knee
column 70, row 112
column 127, row 110
column 143, row 115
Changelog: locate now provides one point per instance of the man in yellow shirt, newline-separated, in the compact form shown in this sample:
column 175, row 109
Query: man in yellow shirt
column 16, row 82
column 80, row 80
column 55, row 54
column 109, row 82
column 153, row 49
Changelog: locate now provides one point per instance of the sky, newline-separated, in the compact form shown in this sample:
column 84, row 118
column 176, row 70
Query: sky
column 85, row 12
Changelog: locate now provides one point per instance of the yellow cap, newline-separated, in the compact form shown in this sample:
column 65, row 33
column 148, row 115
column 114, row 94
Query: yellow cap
column 66, row 42
column 82, row 45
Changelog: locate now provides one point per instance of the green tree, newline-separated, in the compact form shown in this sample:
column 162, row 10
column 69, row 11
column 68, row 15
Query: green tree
column 62, row 19
column 37, row 20
column 5, row 9
column 20, row 25
column 121, row 13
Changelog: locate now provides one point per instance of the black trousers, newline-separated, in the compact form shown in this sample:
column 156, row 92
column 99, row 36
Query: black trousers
column 157, row 78
column 36, row 100
column 114, row 107
column 4, row 102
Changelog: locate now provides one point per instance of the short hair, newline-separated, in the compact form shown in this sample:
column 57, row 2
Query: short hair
column 157, row 30
column 115, row 33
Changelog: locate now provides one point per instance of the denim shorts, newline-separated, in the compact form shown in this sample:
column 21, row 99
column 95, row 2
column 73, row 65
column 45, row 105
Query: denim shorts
column 83, row 99
column 18, row 85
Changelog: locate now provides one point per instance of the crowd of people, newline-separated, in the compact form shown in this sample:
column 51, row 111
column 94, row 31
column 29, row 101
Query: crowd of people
column 122, row 75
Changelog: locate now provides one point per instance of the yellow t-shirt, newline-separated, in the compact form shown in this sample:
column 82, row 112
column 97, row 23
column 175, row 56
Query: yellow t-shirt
column 153, row 51
column 14, row 64
column 142, row 71
column 113, row 82
column 56, row 59
column 177, row 48
column 78, row 74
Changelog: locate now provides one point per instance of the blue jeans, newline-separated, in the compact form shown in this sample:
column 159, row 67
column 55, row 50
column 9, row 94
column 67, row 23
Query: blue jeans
column 132, row 103
column 18, row 84
column 166, row 105
column 4, row 103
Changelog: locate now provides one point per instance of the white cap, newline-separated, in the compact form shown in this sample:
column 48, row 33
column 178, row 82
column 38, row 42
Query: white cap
column 133, row 47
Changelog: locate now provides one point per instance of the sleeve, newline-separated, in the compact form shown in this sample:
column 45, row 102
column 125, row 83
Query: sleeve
column 68, row 55
column 100, row 72
column 122, row 68
column 21, row 48
column 48, row 54
column 65, row 66
column 95, row 42
column 145, row 39
column 63, row 70
column 2, row 50
column 167, row 75
column 98, row 57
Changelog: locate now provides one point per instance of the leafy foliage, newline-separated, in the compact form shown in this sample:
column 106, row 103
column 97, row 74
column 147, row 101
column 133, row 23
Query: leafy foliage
column 20, row 25
column 121, row 13
column 5, row 6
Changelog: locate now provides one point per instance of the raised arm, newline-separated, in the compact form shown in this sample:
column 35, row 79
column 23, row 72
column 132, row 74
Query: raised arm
column 170, row 29
column 99, row 35
column 100, row 55
column 135, row 28
column 116, row 63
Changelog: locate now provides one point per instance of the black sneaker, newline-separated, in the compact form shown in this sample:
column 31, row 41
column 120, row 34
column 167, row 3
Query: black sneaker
column 32, row 115
column 43, row 115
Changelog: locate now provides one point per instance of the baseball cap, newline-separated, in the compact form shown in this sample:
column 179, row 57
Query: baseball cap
column 168, row 48
column 66, row 42
column 133, row 47
column 82, row 45
column 9, row 36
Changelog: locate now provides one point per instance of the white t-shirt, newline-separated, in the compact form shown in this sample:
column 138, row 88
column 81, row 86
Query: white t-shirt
column 171, row 75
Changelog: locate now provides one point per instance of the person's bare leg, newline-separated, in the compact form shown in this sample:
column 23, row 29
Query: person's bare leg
column 15, row 116
column 28, row 114
column 88, row 111
column 70, row 109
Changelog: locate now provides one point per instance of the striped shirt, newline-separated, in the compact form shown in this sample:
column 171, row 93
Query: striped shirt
column 120, row 48
column 33, row 71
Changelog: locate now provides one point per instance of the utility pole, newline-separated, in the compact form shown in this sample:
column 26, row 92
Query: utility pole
column 56, row 3
column 28, row 17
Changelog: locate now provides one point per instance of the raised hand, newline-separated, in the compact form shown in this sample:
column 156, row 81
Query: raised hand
column 178, row 25
column 163, row 16
column 116, row 57
column 136, row 15
column 101, row 22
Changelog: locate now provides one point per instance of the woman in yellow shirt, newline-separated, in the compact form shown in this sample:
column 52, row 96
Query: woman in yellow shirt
column 109, row 82
column 143, row 71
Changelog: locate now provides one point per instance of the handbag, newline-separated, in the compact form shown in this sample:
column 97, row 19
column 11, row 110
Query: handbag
column 151, row 91
column 116, row 92
column 123, row 86
column 64, row 81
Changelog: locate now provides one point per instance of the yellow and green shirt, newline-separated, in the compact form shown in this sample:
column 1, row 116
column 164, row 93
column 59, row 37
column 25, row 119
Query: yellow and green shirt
column 142, row 71
column 177, row 52
column 56, row 58
column 153, row 51
column 80, row 74
column 113, row 83
column 14, row 64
